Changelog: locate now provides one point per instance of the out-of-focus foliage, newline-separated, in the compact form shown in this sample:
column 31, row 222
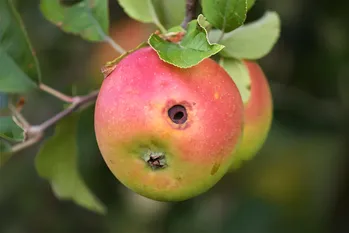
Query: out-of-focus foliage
column 297, row 183
column 254, row 40
column 91, row 24
column 163, row 13
column 19, row 67
column 57, row 162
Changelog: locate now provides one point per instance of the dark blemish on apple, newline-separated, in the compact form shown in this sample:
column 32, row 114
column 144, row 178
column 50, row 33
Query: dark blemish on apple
column 178, row 114
column 155, row 160
column 248, row 87
column 215, row 168
column 111, row 161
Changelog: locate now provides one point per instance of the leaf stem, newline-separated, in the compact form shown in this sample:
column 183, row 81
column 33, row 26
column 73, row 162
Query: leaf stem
column 220, row 36
column 56, row 93
column 190, row 12
column 18, row 118
column 156, row 18
column 114, row 45
column 105, row 37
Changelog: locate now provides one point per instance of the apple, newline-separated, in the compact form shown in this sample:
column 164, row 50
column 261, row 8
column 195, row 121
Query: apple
column 164, row 132
column 258, row 115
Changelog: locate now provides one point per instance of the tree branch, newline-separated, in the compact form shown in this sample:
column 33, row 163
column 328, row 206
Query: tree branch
column 36, row 132
column 78, row 102
column 190, row 12
column 56, row 93
column 18, row 118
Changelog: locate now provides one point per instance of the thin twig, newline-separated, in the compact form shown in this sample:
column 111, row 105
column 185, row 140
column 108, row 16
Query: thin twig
column 36, row 132
column 18, row 117
column 56, row 93
column 31, row 141
column 78, row 102
column 190, row 12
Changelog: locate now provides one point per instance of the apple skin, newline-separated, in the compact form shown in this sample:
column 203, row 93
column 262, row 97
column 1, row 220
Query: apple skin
column 258, row 115
column 132, row 121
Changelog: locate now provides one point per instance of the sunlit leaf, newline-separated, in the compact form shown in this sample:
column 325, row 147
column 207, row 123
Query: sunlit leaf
column 139, row 10
column 225, row 15
column 253, row 40
column 19, row 69
column 88, row 18
column 57, row 162
column 167, row 13
column 191, row 50
column 171, row 12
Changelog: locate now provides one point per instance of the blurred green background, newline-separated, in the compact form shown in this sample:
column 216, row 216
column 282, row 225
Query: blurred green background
column 299, row 182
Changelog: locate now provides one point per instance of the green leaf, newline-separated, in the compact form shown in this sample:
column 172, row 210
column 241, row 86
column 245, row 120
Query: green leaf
column 190, row 51
column 253, row 40
column 88, row 18
column 250, row 4
column 57, row 162
column 202, row 21
column 171, row 12
column 225, row 15
column 145, row 11
column 5, row 152
column 176, row 29
column 240, row 74
column 138, row 10
column 10, row 130
column 168, row 13
column 19, row 70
